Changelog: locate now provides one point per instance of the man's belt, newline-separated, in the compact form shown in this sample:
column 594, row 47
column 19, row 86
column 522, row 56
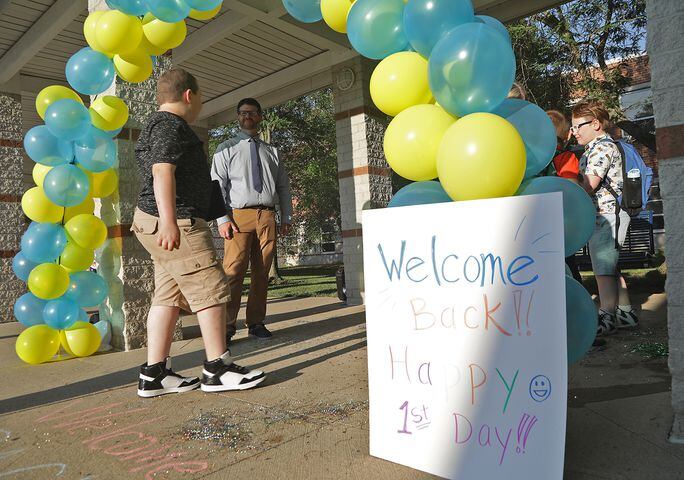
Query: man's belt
column 258, row 207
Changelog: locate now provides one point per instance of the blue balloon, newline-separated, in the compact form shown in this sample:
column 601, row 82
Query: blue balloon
column 307, row 11
column 90, row 72
column 471, row 69
column 22, row 266
column 61, row 313
column 44, row 148
column 535, row 128
column 426, row 21
column 170, row 11
column 203, row 5
column 28, row 310
column 579, row 212
column 581, row 317
column 87, row 289
column 493, row 22
column 419, row 193
column 66, row 185
column 67, row 119
column 376, row 27
column 137, row 8
column 95, row 151
column 43, row 242
column 83, row 316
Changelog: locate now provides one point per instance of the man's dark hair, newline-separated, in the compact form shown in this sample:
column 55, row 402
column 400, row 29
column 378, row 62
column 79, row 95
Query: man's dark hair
column 173, row 83
column 249, row 101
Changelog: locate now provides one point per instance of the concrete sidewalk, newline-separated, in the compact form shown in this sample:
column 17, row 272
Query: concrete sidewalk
column 80, row 419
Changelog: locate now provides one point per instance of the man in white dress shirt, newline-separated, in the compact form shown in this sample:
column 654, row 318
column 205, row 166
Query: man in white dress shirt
column 253, row 179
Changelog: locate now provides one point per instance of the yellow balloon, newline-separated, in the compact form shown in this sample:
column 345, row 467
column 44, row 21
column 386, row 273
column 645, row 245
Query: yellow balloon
column 51, row 94
column 85, row 207
column 38, row 207
column 64, row 343
column 412, row 140
column 37, row 344
column 335, row 13
column 48, row 281
column 38, row 173
column 163, row 35
column 108, row 112
column 481, row 156
column 400, row 81
column 116, row 32
column 134, row 67
column 81, row 339
column 204, row 15
column 75, row 258
column 103, row 184
column 89, row 29
column 146, row 46
column 87, row 231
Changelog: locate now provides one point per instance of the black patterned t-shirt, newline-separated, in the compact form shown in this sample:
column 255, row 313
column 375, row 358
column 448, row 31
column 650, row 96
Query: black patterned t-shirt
column 167, row 138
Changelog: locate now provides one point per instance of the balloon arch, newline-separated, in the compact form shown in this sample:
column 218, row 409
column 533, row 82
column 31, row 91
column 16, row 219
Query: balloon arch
column 444, row 76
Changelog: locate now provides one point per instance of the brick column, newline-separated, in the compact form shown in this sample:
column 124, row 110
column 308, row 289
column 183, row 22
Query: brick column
column 666, row 52
column 12, row 222
column 364, row 176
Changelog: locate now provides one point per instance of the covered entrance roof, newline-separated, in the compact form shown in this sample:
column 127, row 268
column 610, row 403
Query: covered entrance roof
column 252, row 48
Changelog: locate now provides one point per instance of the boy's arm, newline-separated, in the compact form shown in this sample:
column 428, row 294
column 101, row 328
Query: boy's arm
column 164, row 183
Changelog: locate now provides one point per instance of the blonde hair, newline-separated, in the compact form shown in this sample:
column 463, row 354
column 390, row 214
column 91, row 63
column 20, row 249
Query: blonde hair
column 561, row 123
column 592, row 109
column 517, row 91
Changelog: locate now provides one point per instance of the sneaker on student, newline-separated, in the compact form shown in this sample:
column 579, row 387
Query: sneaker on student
column 626, row 319
column 260, row 332
column 606, row 324
column 222, row 374
column 159, row 379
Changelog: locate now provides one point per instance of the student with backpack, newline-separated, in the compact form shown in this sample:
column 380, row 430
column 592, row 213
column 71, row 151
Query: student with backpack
column 603, row 176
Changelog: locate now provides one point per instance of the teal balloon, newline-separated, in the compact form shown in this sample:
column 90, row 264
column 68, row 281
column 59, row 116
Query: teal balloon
column 61, row 313
column 90, row 72
column 28, row 310
column 67, row 119
column 66, row 185
column 83, row 316
column 43, row 242
column 43, row 147
column 426, row 21
column 170, row 11
column 95, row 151
column 582, row 319
column 494, row 23
column 137, row 8
column 204, row 5
column 471, row 69
column 306, row 11
column 535, row 128
column 22, row 266
column 419, row 193
column 376, row 27
column 579, row 212
column 86, row 289
column 567, row 270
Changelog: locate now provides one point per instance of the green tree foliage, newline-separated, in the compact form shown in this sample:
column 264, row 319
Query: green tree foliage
column 566, row 52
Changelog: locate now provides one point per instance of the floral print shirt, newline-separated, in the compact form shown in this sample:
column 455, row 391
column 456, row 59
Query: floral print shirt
column 602, row 159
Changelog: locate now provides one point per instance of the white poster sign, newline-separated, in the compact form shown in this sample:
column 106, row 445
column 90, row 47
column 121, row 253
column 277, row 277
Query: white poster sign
column 467, row 362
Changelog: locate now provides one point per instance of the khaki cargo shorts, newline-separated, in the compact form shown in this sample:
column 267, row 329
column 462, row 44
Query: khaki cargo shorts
column 190, row 277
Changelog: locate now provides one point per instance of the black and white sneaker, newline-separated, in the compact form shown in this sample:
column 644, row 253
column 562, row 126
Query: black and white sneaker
column 626, row 319
column 222, row 374
column 606, row 324
column 159, row 379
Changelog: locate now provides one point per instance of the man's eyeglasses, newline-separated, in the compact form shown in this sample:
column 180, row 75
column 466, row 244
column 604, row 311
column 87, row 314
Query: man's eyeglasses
column 575, row 128
column 248, row 114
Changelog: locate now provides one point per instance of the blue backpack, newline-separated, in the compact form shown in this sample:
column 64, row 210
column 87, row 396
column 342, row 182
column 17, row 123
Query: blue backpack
column 637, row 179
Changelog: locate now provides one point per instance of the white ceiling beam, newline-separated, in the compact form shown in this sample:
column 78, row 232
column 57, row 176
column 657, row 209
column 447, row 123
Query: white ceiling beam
column 273, row 19
column 509, row 10
column 21, row 83
column 211, row 33
column 3, row 5
column 48, row 26
column 278, row 80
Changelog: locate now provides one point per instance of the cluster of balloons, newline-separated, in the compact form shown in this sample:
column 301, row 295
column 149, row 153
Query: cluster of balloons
column 444, row 75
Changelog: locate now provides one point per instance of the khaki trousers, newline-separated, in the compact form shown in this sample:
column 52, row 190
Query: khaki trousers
column 253, row 245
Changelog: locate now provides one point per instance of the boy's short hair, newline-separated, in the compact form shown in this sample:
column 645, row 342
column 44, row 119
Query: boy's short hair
column 249, row 101
column 561, row 123
column 173, row 83
column 593, row 109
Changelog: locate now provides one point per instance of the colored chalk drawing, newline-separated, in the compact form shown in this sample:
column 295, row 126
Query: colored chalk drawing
column 465, row 311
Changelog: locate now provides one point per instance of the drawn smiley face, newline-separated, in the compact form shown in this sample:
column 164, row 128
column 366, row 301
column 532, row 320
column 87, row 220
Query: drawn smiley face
column 540, row 388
